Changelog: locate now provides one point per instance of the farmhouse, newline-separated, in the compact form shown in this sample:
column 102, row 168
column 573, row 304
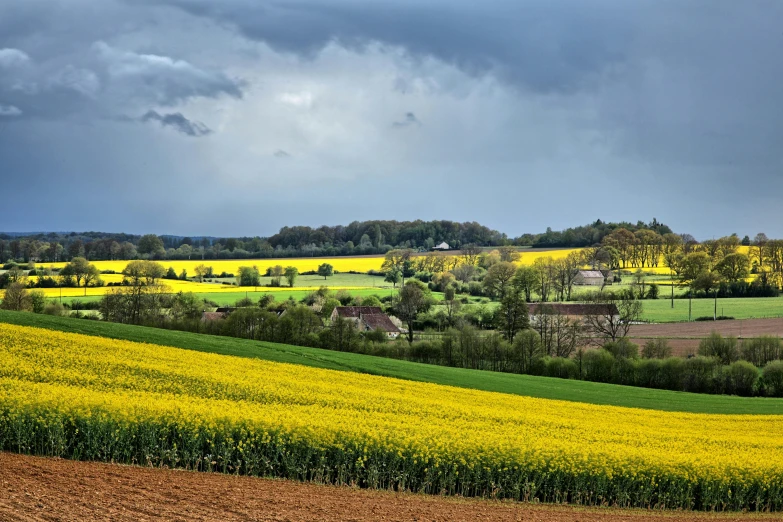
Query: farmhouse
column 207, row 317
column 442, row 246
column 589, row 277
column 367, row 318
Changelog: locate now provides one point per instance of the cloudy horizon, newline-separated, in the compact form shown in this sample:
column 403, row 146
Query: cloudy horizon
column 191, row 117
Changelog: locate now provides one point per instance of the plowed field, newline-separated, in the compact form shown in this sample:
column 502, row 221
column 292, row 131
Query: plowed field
column 684, row 337
column 34, row 488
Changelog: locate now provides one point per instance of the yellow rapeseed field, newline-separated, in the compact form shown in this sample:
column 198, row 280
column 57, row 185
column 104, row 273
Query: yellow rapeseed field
column 94, row 398
column 231, row 266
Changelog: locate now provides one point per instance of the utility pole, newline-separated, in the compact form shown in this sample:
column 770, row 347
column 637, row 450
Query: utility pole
column 715, row 310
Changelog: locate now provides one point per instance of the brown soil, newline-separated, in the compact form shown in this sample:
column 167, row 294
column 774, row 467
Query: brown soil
column 35, row 488
column 737, row 328
column 684, row 337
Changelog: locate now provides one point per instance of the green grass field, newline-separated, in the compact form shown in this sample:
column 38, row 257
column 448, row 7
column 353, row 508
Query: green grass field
column 229, row 298
column 543, row 387
column 661, row 311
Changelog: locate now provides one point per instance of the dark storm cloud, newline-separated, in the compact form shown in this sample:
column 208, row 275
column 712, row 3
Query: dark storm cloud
column 601, row 108
column 689, row 81
column 543, row 45
column 178, row 122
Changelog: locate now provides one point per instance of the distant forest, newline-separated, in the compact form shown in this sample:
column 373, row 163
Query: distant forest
column 357, row 238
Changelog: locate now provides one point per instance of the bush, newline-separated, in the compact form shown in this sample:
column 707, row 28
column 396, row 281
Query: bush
column 711, row 318
column 54, row 309
column 657, row 349
column 37, row 301
column 597, row 365
column 649, row 373
column 622, row 348
column 672, row 373
column 560, row 367
column 716, row 345
column 624, row 371
column 475, row 288
column 741, row 377
column 761, row 350
column 772, row 377
column 700, row 373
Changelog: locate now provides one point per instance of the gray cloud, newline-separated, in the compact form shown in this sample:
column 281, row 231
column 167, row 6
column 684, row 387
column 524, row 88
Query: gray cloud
column 9, row 110
column 178, row 122
column 162, row 79
column 650, row 108
column 280, row 153
column 13, row 58
column 409, row 120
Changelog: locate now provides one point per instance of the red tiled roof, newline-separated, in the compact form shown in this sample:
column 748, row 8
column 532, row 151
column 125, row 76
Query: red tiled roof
column 212, row 316
column 379, row 322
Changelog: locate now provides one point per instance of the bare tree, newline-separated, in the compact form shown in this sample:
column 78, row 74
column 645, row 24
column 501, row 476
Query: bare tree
column 16, row 298
column 610, row 315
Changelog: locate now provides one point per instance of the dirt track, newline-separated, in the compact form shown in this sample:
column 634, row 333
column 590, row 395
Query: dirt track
column 34, row 488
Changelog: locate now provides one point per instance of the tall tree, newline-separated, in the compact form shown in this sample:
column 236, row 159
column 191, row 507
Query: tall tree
column 325, row 270
column 413, row 301
column 512, row 313
column 498, row 278
column 150, row 244
column 291, row 272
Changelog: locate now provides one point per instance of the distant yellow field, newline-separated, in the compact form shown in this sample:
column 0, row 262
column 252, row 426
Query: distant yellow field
column 529, row 256
column 341, row 264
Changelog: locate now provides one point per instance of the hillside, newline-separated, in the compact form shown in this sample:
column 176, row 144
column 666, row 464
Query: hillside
column 524, row 385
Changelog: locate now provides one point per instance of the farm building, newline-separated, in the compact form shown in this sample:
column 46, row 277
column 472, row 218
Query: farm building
column 442, row 246
column 207, row 317
column 367, row 318
column 589, row 277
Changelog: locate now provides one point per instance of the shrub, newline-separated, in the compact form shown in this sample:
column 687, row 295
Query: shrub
column 657, row 349
column 772, row 376
column 622, row 348
column 672, row 373
column 741, row 377
column 54, row 309
column 475, row 288
column 649, row 373
column 624, row 371
column 724, row 348
column 597, row 365
column 699, row 374
column 37, row 301
column 761, row 350
column 560, row 367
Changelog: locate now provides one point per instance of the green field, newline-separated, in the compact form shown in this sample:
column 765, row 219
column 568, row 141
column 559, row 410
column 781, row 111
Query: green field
column 661, row 311
column 542, row 387
column 229, row 298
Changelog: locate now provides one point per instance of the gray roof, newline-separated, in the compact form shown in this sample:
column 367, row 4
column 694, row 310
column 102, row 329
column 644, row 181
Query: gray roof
column 591, row 273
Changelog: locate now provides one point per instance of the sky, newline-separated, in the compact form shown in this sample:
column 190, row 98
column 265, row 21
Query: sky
column 238, row 117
